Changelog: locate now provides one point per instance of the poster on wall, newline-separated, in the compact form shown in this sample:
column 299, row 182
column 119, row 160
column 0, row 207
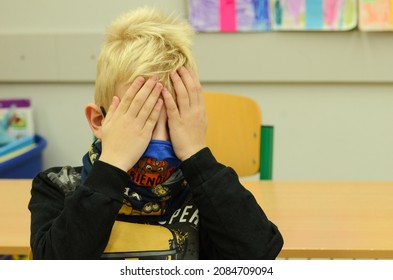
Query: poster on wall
column 376, row 15
column 276, row 15
column 318, row 15
column 229, row 15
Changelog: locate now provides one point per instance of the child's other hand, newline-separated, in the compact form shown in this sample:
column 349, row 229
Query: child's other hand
column 187, row 120
column 129, row 123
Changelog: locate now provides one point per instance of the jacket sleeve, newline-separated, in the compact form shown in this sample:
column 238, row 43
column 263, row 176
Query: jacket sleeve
column 232, row 224
column 75, row 224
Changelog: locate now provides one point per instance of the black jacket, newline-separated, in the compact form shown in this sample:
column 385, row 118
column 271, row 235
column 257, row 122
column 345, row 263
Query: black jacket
column 70, row 220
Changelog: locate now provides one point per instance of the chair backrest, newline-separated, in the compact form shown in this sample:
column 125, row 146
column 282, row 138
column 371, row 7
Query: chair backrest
column 234, row 131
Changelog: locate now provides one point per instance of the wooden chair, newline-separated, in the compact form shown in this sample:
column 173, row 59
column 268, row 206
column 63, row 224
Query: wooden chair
column 234, row 131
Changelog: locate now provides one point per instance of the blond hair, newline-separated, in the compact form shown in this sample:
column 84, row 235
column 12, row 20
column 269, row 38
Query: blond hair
column 143, row 42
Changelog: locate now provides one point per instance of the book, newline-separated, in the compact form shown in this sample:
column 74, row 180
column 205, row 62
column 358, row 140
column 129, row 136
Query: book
column 16, row 120
column 17, row 152
column 16, row 145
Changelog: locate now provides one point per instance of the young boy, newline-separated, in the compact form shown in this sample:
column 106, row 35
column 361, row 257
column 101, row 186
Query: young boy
column 149, row 188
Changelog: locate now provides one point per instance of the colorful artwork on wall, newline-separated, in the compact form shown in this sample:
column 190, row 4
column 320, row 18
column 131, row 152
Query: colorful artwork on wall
column 376, row 15
column 338, row 15
column 229, row 15
column 266, row 15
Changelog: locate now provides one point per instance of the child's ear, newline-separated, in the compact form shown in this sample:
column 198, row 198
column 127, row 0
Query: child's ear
column 94, row 117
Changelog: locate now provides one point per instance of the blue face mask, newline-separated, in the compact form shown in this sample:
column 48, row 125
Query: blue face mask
column 156, row 164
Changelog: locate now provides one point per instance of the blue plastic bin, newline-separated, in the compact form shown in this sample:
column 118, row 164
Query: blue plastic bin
column 26, row 165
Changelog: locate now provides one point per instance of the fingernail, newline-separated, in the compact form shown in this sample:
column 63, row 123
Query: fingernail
column 140, row 79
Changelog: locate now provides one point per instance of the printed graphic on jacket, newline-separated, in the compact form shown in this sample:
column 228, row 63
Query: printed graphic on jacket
column 175, row 239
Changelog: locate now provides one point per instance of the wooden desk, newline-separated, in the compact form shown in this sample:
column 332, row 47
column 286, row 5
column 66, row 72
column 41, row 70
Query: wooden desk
column 330, row 219
column 14, row 217
column 317, row 219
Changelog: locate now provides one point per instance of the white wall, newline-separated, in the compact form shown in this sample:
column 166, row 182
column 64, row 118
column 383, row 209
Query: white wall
column 328, row 95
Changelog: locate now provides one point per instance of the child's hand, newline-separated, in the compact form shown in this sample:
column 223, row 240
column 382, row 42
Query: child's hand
column 187, row 120
column 129, row 123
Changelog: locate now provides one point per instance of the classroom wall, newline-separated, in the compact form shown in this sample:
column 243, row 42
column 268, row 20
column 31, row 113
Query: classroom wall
column 327, row 94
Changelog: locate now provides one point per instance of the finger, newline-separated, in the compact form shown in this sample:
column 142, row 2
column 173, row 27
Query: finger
column 180, row 91
column 130, row 94
column 190, row 84
column 150, row 102
column 141, row 96
column 198, row 85
column 112, row 108
column 155, row 114
column 170, row 104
